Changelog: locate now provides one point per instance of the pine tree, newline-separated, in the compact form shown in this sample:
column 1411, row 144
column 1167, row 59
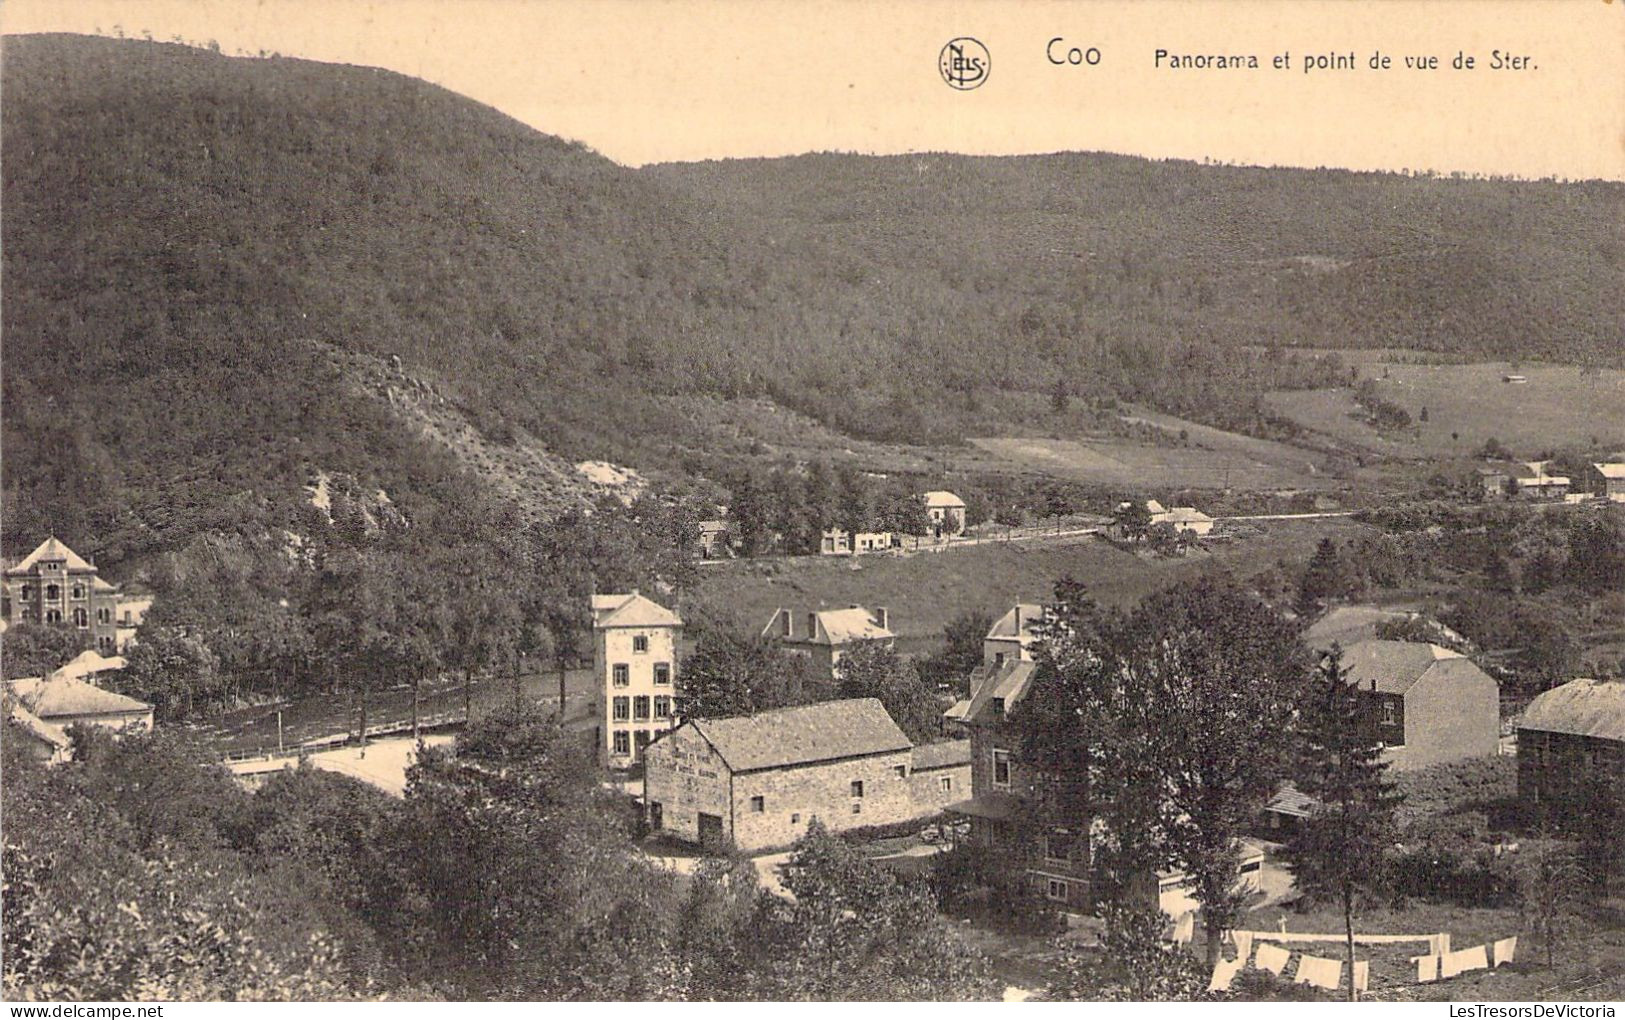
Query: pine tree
column 1324, row 578
column 1337, row 850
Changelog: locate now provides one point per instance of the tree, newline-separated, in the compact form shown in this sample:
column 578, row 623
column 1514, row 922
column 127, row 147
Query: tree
column 1134, row 963
column 1133, row 519
column 1164, row 539
column 1326, row 577
column 962, row 649
column 31, row 649
column 172, row 669
column 873, row 669
column 1337, row 850
column 1551, row 891
column 724, row 675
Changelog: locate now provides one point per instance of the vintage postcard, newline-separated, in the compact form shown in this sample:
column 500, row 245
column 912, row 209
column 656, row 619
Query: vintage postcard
column 514, row 501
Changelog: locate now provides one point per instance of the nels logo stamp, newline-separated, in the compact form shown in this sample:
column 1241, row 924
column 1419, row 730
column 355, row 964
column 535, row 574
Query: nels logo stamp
column 964, row 63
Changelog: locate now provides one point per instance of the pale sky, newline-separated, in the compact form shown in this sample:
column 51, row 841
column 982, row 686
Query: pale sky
column 661, row 80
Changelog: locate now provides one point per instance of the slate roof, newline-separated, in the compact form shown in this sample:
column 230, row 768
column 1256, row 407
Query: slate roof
column 840, row 626
column 827, row 731
column 1587, row 708
column 1346, row 625
column 943, row 498
column 959, row 711
column 1611, row 471
column 51, row 549
column 632, row 610
column 87, row 662
column 1010, row 683
column 39, row 729
column 1289, row 800
column 1397, row 666
column 1005, row 627
column 61, row 697
column 942, row 755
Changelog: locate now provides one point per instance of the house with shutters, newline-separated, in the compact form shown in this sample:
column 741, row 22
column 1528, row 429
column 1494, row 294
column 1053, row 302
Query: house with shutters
column 635, row 643
column 55, row 586
column 824, row 635
column 759, row 781
column 1571, row 748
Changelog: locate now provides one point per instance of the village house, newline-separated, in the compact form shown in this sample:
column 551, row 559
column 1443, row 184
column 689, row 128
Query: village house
column 1607, row 481
column 947, row 513
column 1571, row 747
column 1184, row 518
column 55, row 586
column 1531, row 480
column 130, row 614
column 824, row 635
column 635, row 642
column 715, row 541
column 837, row 542
column 63, row 699
column 1426, row 703
column 759, row 781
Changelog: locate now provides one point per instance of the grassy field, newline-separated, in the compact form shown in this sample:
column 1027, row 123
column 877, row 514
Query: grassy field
column 926, row 590
column 1558, row 406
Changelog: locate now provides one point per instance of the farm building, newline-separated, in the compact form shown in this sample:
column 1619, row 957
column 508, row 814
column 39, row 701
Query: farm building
column 715, row 540
column 1183, row 518
column 1427, row 703
column 826, row 634
column 758, row 781
column 1608, row 481
column 1571, row 747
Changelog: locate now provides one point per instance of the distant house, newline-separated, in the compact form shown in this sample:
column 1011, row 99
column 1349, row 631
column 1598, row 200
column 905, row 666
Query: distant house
column 1186, row 519
column 63, row 700
column 824, row 635
column 55, row 586
column 760, row 780
column 837, row 542
column 1607, row 480
column 635, row 642
column 1347, row 625
column 128, row 616
column 715, row 541
column 947, row 512
column 1532, row 481
column 1571, row 745
column 1426, row 703
column 90, row 665
column 1495, row 480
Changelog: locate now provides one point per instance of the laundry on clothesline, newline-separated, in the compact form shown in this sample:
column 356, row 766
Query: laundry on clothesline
column 1505, row 949
column 1427, row 967
column 1362, row 974
column 1224, row 972
column 1271, row 958
column 1319, row 971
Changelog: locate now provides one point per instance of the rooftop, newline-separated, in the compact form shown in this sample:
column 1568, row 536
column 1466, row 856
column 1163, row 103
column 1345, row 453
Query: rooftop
column 941, row 755
column 942, row 498
column 51, row 549
column 1587, row 708
column 1009, row 685
column 827, row 731
column 1394, row 667
column 632, row 610
column 64, row 697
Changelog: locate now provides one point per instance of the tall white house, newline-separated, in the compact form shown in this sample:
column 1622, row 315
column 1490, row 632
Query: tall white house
column 635, row 660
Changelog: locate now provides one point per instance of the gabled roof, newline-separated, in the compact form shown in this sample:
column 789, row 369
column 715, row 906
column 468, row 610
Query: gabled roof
column 959, row 711
column 826, row 731
column 941, row 755
column 39, row 729
column 65, row 697
column 1346, row 625
column 1587, row 708
column 87, row 662
column 1009, row 684
column 1185, row 515
column 943, row 498
column 632, row 610
column 1394, row 667
column 1029, row 613
column 101, row 585
column 1611, row 471
column 51, row 549
column 843, row 626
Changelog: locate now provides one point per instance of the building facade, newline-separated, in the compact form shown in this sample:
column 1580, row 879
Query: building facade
column 759, row 781
column 824, row 635
column 1571, row 748
column 946, row 511
column 1426, row 703
column 635, row 645
column 1608, row 481
column 55, row 586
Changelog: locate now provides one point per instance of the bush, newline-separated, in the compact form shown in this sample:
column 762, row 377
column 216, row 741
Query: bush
column 1450, row 858
column 977, row 882
column 908, row 827
column 1471, row 784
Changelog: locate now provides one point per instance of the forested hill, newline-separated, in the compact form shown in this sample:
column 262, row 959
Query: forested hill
column 199, row 251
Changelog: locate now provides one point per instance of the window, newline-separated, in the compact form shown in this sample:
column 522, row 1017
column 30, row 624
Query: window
column 947, row 784
column 758, row 804
column 657, row 815
column 28, row 593
column 81, row 619
column 1057, row 890
column 53, row 593
column 795, row 819
column 53, row 616
column 1001, row 767
column 104, row 615
column 1057, row 845
column 77, row 591
column 623, row 742
column 623, row 709
column 1390, row 712
column 857, row 809
column 857, row 787
column 662, row 706
column 902, row 771
column 620, row 675
column 640, row 643
column 998, row 706
column 643, row 741
column 662, row 672
column 640, row 707
column 105, row 643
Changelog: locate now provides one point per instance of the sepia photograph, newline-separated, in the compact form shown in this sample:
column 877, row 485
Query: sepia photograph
column 518, row 501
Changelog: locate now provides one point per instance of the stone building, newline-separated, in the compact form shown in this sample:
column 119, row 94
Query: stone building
column 758, row 781
column 824, row 635
column 635, row 643
column 1427, row 703
column 55, row 586
column 946, row 512
column 1571, row 747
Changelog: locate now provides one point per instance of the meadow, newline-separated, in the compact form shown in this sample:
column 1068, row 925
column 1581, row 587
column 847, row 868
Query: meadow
column 1468, row 403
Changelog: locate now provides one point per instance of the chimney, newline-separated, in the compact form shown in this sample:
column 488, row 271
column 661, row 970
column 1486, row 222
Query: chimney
column 787, row 623
column 882, row 618
column 1018, row 619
